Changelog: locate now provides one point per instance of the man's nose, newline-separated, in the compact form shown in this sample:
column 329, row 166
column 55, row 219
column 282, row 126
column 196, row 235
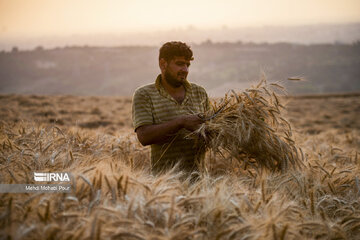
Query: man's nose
column 185, row 68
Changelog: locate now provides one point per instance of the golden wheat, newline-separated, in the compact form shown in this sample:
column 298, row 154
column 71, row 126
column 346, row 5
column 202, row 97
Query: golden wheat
column 113, row 198
column 249, row 127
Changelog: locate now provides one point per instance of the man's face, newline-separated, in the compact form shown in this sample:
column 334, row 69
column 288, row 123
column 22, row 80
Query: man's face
column 176, row 71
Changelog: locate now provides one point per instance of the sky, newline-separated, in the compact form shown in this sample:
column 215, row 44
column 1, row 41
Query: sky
column 36, row 18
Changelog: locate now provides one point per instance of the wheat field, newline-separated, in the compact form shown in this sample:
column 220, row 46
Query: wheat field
column 115, row 197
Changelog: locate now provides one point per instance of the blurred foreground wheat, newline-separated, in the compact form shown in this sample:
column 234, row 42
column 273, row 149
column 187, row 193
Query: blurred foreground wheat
column 115, row 197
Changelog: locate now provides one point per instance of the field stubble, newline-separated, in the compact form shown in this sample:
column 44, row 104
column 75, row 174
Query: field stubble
column 115, row 197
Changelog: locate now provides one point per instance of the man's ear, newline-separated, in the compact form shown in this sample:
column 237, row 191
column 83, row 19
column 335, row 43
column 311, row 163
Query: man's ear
column 163, row 64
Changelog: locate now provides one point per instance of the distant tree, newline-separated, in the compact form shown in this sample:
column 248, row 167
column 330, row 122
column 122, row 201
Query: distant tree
column 39, row 48
column 15, row 49
column 357, row 43
column 207, row 42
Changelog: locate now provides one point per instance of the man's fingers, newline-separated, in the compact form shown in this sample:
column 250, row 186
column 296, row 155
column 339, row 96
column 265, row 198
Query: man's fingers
column 193, row 122
column 201, row 116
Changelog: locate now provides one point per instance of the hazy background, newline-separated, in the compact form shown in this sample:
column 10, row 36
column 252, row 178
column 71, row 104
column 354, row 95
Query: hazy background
column 111, row 47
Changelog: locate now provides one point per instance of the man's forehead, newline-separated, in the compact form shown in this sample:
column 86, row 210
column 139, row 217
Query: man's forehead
column 180, row 59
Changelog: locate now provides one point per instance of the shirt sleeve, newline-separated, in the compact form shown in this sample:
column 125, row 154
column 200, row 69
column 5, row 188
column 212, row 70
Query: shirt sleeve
column 207, row 102
column 204, row 99
column 141, row 109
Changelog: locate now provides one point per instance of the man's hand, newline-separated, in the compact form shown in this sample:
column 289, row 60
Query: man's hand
column 160, row 133
column 191, row 122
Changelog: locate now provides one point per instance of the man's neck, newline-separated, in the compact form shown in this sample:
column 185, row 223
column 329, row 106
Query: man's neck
column 177, row 93
column 170, row 89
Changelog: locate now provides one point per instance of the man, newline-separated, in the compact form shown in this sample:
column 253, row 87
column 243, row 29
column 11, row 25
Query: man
column 165, row 112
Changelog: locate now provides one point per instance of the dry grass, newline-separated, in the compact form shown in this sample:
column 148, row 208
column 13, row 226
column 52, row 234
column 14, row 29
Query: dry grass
column 115, row 197
column 251, row 128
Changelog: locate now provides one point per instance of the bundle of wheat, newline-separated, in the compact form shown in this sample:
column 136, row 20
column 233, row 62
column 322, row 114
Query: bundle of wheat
column 250, row 127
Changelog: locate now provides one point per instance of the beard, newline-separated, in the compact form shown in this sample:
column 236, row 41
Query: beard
column 172, row 81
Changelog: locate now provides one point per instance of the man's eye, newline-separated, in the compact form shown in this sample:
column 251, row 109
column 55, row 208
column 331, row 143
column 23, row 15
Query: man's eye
column 183, row 64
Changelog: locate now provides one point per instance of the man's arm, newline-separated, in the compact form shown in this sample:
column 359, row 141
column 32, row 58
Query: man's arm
column 159, row 133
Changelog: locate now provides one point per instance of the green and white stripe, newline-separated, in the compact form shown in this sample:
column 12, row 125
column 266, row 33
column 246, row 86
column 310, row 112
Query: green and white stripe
column 153, row 105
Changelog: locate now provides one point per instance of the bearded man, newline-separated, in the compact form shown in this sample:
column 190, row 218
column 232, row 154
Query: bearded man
column 165, row 112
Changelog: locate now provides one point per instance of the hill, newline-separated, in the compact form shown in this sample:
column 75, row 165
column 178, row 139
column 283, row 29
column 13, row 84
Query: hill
column 118, row 71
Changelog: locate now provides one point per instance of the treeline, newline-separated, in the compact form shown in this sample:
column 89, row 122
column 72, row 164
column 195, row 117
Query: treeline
column 217, row 66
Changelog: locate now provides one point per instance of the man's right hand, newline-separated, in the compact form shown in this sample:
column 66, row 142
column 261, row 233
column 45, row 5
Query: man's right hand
column 191, row 122
column 159, row 133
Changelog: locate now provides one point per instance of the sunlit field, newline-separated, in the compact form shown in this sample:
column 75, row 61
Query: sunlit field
column 116, row 197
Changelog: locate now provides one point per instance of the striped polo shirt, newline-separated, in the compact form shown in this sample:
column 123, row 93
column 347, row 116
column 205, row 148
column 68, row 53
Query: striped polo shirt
column 153, row 105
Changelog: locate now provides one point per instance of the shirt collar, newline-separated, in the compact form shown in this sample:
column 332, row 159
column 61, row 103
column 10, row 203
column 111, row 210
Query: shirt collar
column 163, row 92
column 159, row 86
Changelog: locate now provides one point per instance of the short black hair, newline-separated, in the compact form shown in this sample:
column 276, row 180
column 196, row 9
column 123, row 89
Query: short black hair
column 175, row 49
